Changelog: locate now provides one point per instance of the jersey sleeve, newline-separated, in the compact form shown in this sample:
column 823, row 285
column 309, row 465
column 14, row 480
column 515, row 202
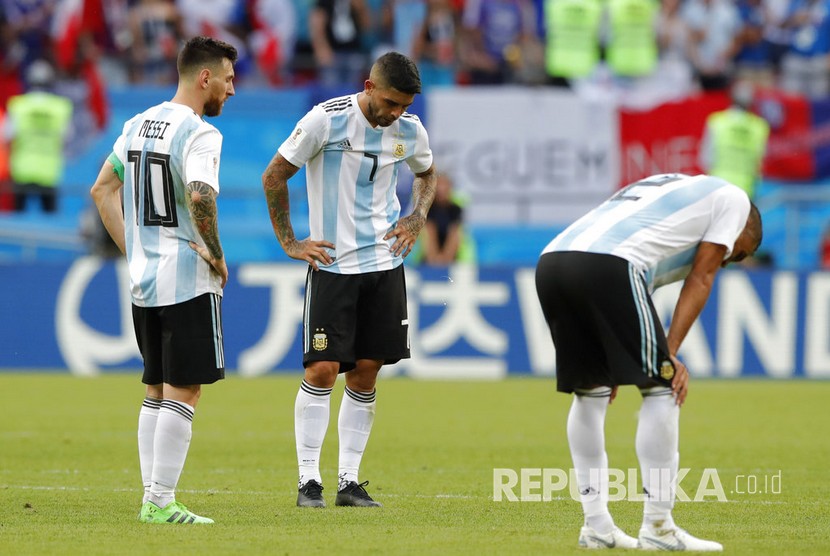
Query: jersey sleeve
column 201, row 161
column 118, row 166
column 119, row 148
column 421, row 160
column 307, row 138
column 730, row 211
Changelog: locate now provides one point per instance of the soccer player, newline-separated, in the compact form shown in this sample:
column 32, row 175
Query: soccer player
column 167, row 162
column 594, row 282
column 355, row 317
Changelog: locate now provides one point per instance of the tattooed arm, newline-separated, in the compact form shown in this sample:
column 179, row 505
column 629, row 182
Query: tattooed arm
column 201, row 200
column 275, row 183
column 409, row 227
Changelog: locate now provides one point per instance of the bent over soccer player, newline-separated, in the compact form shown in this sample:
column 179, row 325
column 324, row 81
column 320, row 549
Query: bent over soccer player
column 167, row 161
column 355, row 317
column 594, row 282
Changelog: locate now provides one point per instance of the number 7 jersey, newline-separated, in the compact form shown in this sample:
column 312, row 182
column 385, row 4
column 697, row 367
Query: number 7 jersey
column 163, row 149
column 351, row 178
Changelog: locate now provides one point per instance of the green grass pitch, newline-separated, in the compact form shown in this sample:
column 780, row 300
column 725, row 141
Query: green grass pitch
column 69, row 480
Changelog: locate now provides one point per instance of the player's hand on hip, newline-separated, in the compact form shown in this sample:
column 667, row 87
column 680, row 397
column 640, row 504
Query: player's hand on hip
column 680, row 382
column 406, row 234
column 310, row 251
column 219, row 266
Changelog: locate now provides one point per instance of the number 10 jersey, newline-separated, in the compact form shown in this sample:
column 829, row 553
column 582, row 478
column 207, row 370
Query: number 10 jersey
column 163, row 149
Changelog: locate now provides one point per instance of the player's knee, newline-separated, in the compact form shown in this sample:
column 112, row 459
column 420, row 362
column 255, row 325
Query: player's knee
column 363, row 377
column 322, row 374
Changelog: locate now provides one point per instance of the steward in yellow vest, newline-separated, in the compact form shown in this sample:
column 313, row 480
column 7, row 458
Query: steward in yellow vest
column 39, row 122
column 632, row 44
column 734, row 142
column 572, row 35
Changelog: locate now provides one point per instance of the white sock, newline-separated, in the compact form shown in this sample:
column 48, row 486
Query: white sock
column 357, row 413
column 311, row 420
column 586, row 437
column 173, row 432
column 657, row 450
column 147, row 418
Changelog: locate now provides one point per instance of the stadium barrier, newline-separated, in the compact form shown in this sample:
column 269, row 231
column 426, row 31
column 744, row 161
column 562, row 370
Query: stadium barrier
column 465, row 322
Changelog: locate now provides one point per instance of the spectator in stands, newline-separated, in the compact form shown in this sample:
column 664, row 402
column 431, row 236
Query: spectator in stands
column 106, row 24
column 735, row 140
column 38, row 126
column 674, row 68
column 156, row 29
column 336, row 29
column 672, row 31
column 753, row 61
column 435, row 44
column 379, row 35
column 499, row 40
column 29, row 24
column 224, row 20
column 776, row 37
column 444, row 241
column 804, row 69
column 81, row 82
column 303, row 67
column 10, row 83
column 713, row 40
column 273, row 38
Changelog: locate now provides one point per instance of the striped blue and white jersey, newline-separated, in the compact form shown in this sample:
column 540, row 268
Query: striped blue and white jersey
column 351, row 176
column 163, row 149
column 658, row 223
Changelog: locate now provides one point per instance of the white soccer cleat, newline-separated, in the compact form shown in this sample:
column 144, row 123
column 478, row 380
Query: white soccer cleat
column 588, row 538
column 675, row 539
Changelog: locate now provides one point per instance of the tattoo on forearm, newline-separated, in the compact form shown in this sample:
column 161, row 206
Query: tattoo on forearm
column 201, row 200
column 423, row 193
column 275, row 184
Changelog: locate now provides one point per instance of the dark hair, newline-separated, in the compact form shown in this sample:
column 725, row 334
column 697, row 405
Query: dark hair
column 399, row 72
column 754, row 225
column 200, row 52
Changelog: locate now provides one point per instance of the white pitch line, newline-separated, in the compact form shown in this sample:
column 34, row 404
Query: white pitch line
column 437, row 496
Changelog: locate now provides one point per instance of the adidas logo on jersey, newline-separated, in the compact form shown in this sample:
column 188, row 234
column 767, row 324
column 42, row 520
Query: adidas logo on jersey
column 344, row 145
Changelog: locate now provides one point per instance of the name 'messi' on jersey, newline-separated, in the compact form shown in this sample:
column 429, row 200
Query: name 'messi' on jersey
column 162, row 149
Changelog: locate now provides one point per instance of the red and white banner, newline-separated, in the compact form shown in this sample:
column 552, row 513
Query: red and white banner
column 666, row 138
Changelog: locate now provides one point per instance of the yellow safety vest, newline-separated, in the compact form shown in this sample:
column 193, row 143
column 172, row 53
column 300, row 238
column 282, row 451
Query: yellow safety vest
column 738, row 141
column 40, row 121
column 572, row 26
column 632, row 46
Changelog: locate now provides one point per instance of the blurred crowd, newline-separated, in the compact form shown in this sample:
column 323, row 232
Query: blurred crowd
column 683, row 43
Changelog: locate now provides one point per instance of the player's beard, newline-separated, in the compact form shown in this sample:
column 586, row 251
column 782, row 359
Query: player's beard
column 213, row 106
column 382, row 122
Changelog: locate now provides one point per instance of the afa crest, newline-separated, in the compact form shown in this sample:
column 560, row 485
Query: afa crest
column 666, row 370
column 319, row 341
column 400, row 150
